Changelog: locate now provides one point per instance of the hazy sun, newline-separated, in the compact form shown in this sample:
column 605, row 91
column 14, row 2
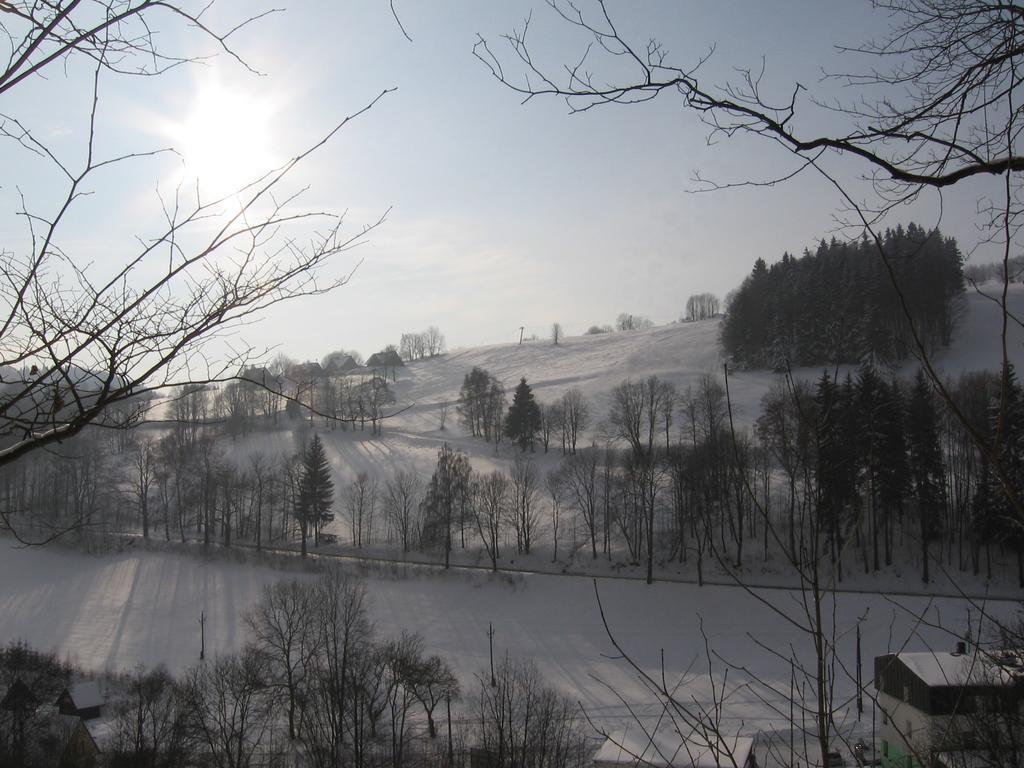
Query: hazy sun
column 225, row 140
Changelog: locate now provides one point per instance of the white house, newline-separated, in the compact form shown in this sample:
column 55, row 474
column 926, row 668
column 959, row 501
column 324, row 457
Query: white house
column 940, row 706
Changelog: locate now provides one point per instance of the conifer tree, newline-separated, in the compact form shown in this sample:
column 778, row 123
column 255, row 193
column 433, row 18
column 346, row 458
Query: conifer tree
column 927, row 469
column 838, row 304
column 523, row 421
column 316, row 490
column 894, row 471
column 1008, row 440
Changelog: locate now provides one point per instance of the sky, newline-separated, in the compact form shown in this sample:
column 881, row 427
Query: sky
column 500, row 215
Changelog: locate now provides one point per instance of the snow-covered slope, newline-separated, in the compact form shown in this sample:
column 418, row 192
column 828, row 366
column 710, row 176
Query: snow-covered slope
column 682, row 354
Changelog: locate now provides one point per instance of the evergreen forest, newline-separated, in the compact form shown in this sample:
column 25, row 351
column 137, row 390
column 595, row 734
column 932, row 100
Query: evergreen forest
column 840, row 304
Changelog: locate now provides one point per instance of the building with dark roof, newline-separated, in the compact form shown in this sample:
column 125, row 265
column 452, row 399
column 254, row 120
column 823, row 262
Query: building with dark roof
column 939, row 707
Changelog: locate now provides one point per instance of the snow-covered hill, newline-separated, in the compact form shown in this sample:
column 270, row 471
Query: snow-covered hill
column 116, row 610
column 681, row 353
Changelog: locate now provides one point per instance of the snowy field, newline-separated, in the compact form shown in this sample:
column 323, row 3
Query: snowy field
column 115, row 611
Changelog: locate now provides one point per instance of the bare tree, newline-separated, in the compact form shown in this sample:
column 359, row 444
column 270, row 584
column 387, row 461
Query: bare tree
column 359, row 502
column 401, row 499
column 433, row 341
column 556, row 333
column 82, row 338
column 524, row 514
column 378, row 397
column 630, row 322
column 151, row 724
column 524, row 722
column 491, row 509
column 344, row 634
column 280, row 625
column 407, row 347
column 580, row 478
column 701, row 306
column 403, row 659
column 144, row 464
column 259, row 491
column 550, row 422
column 628, row 415
column 231, row 707
column 575, row 418
column 555, row 485
column 432, row 681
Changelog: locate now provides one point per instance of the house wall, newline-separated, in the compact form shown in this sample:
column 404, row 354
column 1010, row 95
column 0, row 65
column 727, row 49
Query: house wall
column 904, row 730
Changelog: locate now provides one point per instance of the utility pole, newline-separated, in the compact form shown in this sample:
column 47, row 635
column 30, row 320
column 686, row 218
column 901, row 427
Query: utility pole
column 521, row 329
column 202, row 635
column 490, row 641
column 451, row 750
column 860, row 687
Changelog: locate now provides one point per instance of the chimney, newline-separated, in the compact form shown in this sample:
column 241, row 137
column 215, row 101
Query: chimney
column 961, row 648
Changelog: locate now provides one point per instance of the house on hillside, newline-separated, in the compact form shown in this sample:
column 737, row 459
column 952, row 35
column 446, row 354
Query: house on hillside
column 306, row 372
column 338, row 366
column 384, row 361
column 949, row 709
column 667, row 748
column 84, row 700
column 261, row 377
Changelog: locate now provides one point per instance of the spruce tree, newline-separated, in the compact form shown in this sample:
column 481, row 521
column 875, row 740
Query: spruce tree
column 1007, row 416
column 894, row 475
column 838, row 303
column 837, row 456
column 926, row 464
column 316, row 490
column 523, row 421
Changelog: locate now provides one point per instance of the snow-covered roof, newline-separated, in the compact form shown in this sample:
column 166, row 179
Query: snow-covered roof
column 668, row 749
column 940, row 668
column 103, row 731
column 86, row 695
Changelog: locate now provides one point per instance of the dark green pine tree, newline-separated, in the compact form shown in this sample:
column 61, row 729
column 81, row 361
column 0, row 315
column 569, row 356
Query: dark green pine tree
column 927, row 470
column 523, row 422
column 316, row 491
column 837, row 466
column 869, row 407
column 1007, row 418
column 894, row 472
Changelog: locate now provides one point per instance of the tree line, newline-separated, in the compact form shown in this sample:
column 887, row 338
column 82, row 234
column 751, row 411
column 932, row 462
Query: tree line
column 841, row 304
column 863, row 470
column 416, row 346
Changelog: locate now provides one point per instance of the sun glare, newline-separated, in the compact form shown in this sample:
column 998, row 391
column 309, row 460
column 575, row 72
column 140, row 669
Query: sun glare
column 225, row 140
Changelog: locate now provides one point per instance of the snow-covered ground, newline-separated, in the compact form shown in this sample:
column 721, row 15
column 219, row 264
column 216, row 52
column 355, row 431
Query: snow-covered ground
column 119, row 610
column 680, row 353
column 114, row 611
